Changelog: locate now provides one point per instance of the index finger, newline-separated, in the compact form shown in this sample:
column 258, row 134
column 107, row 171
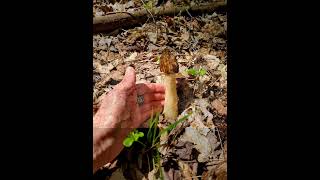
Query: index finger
column 143, row 88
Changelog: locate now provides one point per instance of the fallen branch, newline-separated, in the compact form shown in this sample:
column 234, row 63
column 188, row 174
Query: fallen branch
column 116, row 20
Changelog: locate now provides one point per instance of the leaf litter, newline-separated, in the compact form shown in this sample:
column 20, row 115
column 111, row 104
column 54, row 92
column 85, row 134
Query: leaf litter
column 198, row 145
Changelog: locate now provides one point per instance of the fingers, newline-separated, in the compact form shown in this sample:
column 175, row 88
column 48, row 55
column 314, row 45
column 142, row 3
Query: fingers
column 144, row 88
column 129, row 80
column 147, row 114
column 153, row 97
column 151, row 105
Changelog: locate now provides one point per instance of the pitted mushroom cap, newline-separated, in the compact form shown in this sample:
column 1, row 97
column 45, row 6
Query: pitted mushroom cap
column 168, row 62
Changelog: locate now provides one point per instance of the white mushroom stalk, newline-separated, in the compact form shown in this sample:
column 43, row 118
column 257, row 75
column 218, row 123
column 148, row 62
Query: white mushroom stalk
column 169, row 67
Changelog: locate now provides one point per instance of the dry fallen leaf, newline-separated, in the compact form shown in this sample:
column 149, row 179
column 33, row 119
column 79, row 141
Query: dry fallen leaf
column 212, row 61
column 116, row 75
column 185, row 35
column 197, row 124
column 202, row 143
column 117, row 175
column 152, row 37
column 223, row 70
column 152, row 47
column 219, row 107
column 202, row 104
column 129, row 4
column 152, row 174
column 221, row 171
column 186, row 170
column 118, row 7
column 132, row 57
column 185, row 153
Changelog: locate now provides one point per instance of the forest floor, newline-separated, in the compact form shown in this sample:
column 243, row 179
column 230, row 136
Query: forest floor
column 199, row 42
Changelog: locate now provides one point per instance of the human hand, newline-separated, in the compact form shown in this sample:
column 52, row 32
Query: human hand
column 121, row 103
column 120, row 113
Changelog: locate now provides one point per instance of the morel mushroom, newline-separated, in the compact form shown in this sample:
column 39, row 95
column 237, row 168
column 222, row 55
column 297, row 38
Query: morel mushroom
column 169, row 67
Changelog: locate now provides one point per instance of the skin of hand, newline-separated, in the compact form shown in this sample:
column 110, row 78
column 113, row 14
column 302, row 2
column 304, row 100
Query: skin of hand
column 120, row 113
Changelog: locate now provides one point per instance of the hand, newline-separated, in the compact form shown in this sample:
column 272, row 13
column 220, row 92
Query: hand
column 120, row 113
column 121, row 103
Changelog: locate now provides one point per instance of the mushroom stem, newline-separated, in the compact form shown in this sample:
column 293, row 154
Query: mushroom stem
column 171, row 98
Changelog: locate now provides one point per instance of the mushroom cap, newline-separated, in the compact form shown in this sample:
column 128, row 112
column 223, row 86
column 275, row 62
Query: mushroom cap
column 168, row 62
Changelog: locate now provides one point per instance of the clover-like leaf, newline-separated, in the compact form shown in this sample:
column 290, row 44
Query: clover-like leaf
column 137, row 135
column 192, row 72
column 128, row 142
column 140, row 134
column 202, row 72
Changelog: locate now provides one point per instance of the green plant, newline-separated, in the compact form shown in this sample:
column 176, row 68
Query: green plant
column 202, row 72
column 148, row 5
column 153, row 140
column 174, row 125
column 133, row 137
column 153, row 133
column 153, row 128
column 194, row 72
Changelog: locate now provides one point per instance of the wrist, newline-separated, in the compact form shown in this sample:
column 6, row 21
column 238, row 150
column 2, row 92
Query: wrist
column 108, row 135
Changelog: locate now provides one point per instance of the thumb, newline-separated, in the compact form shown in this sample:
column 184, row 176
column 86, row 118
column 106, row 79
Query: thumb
column 129, row 79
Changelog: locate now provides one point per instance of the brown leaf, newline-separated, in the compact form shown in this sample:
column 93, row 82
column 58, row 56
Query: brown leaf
column 218, row 172
column 132, row 57
column 106, row 9
column 169, row 21
column 221, row 171
column 152, row 37
column 219, row 107
column 185, row 35
column 201, row 143
column 186, row 170
column 177, row 175
column 116, row 75
column 195, row 169
column 194, row 25
column 186, row 152
column 212, row 61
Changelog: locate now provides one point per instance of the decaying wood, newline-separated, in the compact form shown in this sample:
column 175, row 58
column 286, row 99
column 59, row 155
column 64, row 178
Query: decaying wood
column 116, row 20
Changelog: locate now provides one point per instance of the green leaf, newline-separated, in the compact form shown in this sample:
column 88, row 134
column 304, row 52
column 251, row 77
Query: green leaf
column 202, row 72
column 151, row 123
column 192, row 72
column 156, row 120
column 136, row 135
column 140, row 134
column 148, row 5
column 132, row 137
column 173, row 125
column 135, row 138
column 128, row 142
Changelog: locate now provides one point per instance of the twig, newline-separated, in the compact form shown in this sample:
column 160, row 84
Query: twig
column 152, row 147
column 147, row 10
column 195, row 176
column 188, row 12
column 220, row 142
column 141, row 143
column 148, row 162
column 152, row 18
